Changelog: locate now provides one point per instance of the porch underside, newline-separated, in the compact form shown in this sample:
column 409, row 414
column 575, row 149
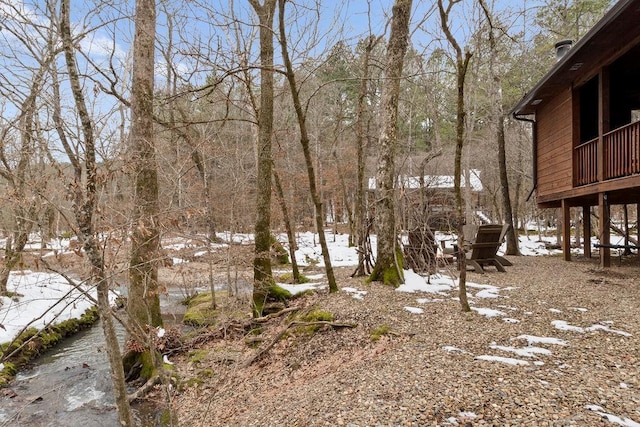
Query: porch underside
column 622, row 191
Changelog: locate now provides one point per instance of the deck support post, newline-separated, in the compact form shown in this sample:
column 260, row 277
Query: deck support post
column 566, row 230
column 604, row 232
column 586, row 233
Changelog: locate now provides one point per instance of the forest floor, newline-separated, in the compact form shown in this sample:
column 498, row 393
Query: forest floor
column 548, row 343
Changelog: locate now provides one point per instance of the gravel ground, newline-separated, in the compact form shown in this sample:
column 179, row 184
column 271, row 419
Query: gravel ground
column 429, row 369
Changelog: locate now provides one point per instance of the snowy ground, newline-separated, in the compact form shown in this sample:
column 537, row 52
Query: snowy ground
column 42, row 298
column 47, row 297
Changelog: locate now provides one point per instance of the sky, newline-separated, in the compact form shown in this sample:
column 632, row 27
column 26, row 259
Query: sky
column 204, row 44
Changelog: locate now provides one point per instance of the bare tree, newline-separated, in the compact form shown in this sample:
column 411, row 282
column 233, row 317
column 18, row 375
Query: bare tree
column 499, row 117
column 360, row 212
column 17, row 175
column 304, row 141
column 28, row 49
column 462, row 64
column 388, row 268
column 295, row 271
column 85, row 200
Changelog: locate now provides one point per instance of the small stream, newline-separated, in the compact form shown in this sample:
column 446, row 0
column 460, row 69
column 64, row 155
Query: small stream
column 70, row 385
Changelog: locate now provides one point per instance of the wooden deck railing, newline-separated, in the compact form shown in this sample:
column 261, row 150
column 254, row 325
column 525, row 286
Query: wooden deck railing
column 621, row 155
column 586, row 163
column 622, row 151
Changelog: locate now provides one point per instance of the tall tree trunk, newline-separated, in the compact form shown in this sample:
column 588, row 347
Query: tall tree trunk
column 498, row 113
column 262, row 274
column 345, row 203
column 361, row 141
column 143, row 303
column 388, row 268
column 462, row 64
column 513, row 248
column 304, row 141
column 84, row 201
column 24, row 201
column 287, row 225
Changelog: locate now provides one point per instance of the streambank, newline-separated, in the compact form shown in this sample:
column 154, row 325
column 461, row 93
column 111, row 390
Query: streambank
column 70, row 384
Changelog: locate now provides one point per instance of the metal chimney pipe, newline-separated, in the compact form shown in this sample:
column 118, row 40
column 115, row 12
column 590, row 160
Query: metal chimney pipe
column 562, row 47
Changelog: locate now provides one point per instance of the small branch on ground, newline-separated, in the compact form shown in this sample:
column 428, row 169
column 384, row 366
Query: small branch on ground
column 274, row 315
column 262, row 351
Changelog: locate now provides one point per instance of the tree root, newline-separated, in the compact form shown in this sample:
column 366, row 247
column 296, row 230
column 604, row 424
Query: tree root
column 145, row 388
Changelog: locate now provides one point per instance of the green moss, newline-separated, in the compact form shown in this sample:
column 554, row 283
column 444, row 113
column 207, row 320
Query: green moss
column 314, row 316
column 390, row 276
column 49, row 339
column 90, row 316
column 288, row 278
column 13, row 295
column 303, row 294
column 39, row 341
column 194, row 382
column 206, row 373
column 199, row 312
column 379, row 332
column 278, row 293
column 148, row 369
column 197, row 356
column 168, row 418
column 201, row 298
column 9, row 369
column 318, row 316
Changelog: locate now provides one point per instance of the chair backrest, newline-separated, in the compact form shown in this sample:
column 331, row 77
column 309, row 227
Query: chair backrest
column 487, row 241
column 469, row 231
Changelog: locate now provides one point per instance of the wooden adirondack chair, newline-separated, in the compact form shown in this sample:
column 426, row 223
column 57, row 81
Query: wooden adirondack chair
column 483, row 247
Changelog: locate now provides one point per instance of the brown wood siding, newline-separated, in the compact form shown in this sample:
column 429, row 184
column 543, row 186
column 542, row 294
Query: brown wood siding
column 554, row 121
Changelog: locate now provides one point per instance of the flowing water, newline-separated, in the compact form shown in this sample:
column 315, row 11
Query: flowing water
column 70, row 385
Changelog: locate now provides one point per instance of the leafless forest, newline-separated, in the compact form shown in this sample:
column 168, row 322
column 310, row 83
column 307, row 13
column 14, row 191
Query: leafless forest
column 126, row 122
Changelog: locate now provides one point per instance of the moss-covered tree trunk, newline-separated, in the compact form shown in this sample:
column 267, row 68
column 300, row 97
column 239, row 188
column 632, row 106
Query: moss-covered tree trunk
column 304, row 142
column 388, row 267
column 262, row 274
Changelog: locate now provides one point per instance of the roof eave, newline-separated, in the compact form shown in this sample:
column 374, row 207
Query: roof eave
column 524, row 107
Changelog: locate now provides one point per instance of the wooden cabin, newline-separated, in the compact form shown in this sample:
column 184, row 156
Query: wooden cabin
column 585, row 114
column 430, row 199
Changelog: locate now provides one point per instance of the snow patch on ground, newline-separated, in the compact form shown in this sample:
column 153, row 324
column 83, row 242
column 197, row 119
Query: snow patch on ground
column 532, row 339
column 488, row 312
column 624, row 422
column 500, row 359
column 356, row 293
